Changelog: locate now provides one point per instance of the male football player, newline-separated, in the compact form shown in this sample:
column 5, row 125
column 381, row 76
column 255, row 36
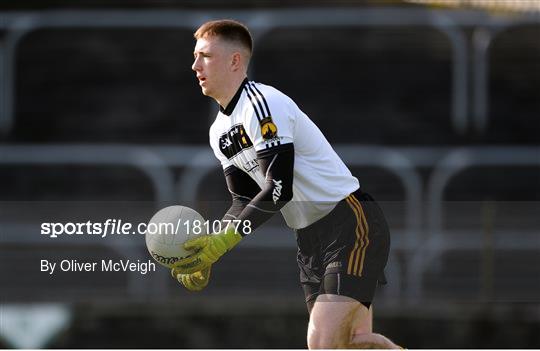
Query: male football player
column 276, row 159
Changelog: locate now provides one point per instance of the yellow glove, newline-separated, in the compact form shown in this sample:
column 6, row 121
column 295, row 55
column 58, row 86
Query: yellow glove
column 208, row 249
column 195, row 281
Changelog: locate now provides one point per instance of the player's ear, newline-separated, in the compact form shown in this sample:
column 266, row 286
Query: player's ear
column 236, row 62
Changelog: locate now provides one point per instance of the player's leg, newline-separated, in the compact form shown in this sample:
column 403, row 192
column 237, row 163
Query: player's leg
column 362, row 332
column 355, row 254
column 338, row 321
column 330, row 322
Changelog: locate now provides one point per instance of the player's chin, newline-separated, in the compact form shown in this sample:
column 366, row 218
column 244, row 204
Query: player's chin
column 205, row 91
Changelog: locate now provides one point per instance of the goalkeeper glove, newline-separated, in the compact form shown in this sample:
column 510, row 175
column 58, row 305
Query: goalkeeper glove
column 195, row 281
column 208, row 249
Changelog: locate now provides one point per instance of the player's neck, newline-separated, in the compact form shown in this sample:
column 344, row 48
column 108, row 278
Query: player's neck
column 231, row 92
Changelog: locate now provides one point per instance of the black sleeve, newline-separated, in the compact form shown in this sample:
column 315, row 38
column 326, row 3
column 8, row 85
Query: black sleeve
column 242, row 188
column 278, row 166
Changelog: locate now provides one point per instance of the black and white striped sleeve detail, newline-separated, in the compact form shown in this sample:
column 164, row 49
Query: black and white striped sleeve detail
column 257, row 101
column 261, row 108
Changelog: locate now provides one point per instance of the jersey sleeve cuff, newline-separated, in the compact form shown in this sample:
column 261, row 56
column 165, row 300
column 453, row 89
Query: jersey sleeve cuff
column 229, row 170
column 274, row 150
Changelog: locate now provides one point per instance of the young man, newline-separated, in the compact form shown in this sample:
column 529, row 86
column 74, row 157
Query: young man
column 276, row 159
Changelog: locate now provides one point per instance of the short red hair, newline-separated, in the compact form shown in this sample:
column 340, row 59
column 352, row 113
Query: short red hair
column 229, row 30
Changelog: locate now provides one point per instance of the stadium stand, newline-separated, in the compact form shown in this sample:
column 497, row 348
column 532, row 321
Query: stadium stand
column 108, row 85
column 97, row 85
column 90, row 102
column 514, row 87
column 343, row 95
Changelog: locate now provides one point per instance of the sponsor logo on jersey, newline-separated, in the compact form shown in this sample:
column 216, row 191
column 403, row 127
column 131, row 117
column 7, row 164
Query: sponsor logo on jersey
column 225, row 143
column 276, row 194
column 234, row 141
column 268, row 128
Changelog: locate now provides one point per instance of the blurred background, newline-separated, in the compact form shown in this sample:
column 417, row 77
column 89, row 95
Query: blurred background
column 434, row 105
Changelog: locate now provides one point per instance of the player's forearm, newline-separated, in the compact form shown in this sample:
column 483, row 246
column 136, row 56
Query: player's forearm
column 237, row 206
column 250, row 203
column 262, row 208
column 277, row 191
column 242, row 188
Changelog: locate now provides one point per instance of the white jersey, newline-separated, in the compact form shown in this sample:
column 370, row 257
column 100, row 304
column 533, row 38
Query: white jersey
column 260, row 118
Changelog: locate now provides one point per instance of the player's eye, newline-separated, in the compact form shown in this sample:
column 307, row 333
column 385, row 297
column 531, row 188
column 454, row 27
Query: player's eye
column 203, row 55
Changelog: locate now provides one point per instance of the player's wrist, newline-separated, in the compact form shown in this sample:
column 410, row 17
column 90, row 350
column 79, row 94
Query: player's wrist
column 230, row 237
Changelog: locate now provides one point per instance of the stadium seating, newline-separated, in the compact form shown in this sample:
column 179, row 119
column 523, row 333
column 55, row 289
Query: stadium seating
column 514, row 87
column 109, row 85
column 365, row 86
column 361, row 85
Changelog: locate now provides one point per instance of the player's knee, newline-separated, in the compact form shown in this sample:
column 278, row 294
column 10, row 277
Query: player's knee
column 318, row 340
column 364, row 345
column 329, row 338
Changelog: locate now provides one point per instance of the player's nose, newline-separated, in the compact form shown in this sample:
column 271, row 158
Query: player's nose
column 196, row 65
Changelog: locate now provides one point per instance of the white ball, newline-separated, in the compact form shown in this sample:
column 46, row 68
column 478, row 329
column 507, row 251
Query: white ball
column 168, row 229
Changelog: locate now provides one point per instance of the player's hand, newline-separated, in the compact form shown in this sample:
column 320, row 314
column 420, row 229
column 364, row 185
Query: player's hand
column 208, row 249
column 194, row 281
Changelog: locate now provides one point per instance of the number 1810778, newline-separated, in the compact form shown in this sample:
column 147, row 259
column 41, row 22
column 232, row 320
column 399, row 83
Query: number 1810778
column 205, row 227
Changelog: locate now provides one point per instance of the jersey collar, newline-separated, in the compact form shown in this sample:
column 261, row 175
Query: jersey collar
column 232, row 104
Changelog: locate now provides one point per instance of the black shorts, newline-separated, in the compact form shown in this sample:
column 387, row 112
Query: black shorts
column 345, row 252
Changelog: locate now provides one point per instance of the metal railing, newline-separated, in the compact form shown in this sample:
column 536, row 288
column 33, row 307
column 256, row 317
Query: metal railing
column 422, row 245
column 19, row 24
column 156, row 164
column 482, row 41
column 438, row 241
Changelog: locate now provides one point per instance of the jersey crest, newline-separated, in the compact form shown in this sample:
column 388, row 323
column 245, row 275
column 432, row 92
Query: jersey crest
column 268, row 128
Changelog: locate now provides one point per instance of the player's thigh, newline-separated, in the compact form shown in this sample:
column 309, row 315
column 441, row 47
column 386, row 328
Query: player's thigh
column 334, row 319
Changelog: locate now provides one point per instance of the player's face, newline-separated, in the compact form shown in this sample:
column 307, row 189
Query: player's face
column 211, row 64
